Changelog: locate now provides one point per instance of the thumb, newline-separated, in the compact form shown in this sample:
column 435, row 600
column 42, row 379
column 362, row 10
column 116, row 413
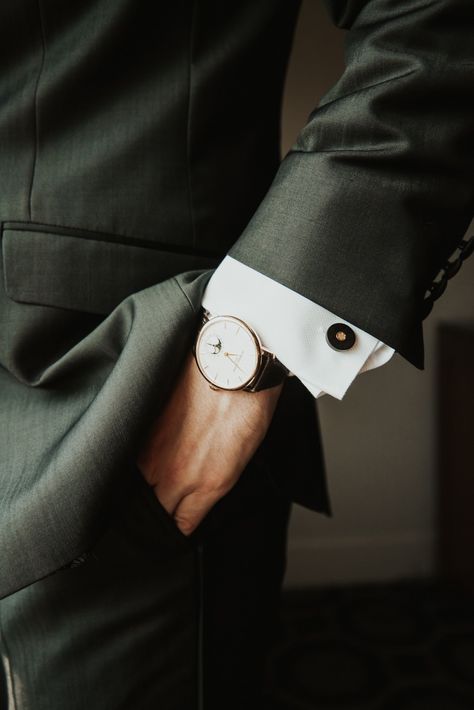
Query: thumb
column 193, row 508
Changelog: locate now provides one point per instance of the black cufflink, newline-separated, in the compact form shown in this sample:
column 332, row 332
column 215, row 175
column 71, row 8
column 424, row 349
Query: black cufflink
column 340, row 336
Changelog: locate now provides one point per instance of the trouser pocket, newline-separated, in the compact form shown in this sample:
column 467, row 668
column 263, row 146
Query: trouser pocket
column 166, row 525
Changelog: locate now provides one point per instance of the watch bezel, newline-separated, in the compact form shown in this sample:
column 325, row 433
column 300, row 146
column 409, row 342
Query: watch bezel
column 258, row 345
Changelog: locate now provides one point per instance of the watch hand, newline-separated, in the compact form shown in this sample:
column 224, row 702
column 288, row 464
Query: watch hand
column 233, row 361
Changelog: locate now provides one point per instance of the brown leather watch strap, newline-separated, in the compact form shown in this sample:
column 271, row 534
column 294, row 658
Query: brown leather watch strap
column 272, row 373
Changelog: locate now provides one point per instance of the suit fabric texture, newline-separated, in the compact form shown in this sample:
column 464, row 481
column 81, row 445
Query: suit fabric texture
column 135, row 154
column 153, row 618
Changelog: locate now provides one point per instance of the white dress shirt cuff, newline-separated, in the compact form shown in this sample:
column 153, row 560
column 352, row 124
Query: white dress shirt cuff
column 292, row 327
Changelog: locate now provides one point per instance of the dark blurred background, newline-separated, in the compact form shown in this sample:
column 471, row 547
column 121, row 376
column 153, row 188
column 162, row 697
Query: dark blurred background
column 378, row 611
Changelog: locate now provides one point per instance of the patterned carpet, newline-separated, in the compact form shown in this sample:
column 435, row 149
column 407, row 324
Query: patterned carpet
column 384, row 647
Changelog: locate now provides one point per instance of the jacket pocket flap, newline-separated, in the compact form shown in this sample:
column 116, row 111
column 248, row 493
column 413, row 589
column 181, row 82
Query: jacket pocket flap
column 84, row 273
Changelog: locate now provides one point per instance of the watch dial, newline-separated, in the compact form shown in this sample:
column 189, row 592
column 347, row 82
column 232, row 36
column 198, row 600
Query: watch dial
column 227, row 353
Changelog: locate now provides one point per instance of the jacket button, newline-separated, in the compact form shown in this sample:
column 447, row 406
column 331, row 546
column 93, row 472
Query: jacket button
column 437, row 288
column 467, row 247
column 340, row 336
column 452, row 267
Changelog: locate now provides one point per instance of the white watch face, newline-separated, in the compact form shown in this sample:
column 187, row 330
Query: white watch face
column 227, row 352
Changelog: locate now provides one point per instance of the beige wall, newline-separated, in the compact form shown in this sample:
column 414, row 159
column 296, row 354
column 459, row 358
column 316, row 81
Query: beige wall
column 379, row 440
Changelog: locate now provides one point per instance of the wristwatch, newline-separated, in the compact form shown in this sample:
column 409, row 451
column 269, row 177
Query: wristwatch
column 230, row 355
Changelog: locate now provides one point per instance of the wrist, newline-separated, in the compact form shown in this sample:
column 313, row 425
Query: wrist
column 256, row 408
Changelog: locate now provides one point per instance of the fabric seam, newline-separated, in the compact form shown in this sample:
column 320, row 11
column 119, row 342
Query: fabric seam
column 35, row 107
column 115, row 237
column 190, row 303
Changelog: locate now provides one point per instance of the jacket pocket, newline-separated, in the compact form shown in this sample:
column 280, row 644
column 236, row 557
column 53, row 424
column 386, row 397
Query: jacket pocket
column 83, row 271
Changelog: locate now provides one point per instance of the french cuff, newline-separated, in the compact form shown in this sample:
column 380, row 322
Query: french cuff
column 324, row 351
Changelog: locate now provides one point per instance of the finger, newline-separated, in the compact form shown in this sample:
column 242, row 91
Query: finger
column 192, row 509
column 169, row 497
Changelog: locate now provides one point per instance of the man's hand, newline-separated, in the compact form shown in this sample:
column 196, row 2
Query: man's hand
column 201, row 442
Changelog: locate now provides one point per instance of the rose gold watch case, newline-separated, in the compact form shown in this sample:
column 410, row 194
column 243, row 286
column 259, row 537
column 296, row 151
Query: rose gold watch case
column 255, row 338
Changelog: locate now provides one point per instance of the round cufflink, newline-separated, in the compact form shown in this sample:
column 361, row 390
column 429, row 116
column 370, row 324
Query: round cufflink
column 340, row 336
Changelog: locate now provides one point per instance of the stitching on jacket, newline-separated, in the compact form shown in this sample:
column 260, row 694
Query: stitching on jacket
column 86, row 233
column 359, row 90
column 340, row 150
column 35, row 105
column 184, row 292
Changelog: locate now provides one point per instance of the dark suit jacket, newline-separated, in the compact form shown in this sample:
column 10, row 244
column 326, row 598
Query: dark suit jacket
column 136, row 151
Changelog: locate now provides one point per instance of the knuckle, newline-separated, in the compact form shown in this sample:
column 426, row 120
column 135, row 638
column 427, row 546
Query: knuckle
column 214, row 485
column 174, row 472
column 209, row 488
column 179, row 479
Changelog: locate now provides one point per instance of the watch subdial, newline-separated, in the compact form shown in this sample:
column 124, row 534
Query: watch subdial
column 214, row 345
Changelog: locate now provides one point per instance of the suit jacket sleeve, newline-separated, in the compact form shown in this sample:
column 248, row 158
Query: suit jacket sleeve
column 377, row 191
column 77, row 395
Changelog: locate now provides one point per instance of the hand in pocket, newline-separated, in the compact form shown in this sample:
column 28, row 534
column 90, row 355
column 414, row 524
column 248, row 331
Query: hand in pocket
column 201, row 442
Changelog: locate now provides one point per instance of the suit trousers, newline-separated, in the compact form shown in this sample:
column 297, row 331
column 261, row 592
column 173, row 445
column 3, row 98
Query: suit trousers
column 152, row 619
